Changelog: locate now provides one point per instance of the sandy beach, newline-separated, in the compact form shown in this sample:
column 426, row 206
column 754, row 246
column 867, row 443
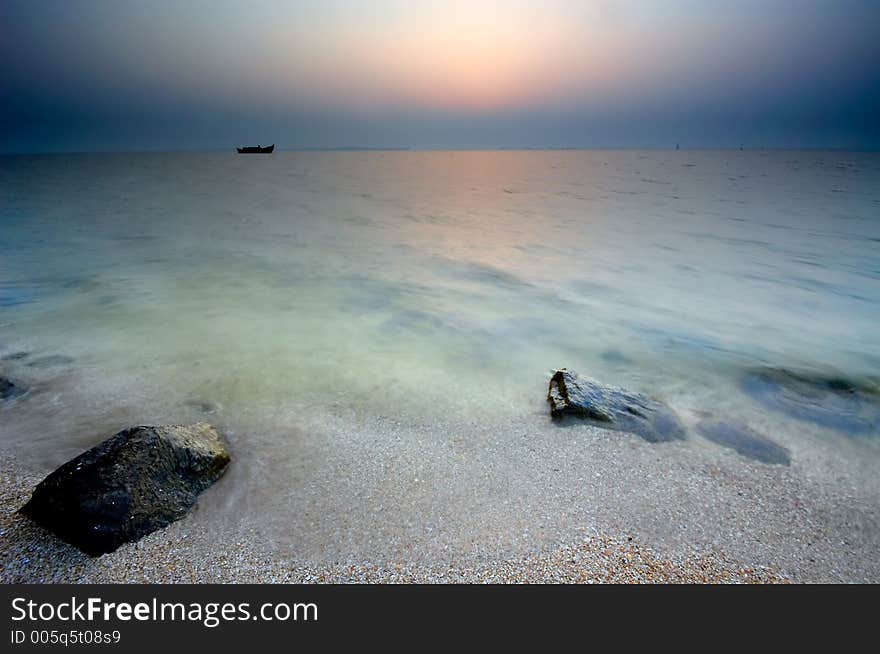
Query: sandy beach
column 587, row 505
column 183, row 553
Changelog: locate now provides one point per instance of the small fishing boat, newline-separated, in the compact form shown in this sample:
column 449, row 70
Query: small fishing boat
column 258, row 149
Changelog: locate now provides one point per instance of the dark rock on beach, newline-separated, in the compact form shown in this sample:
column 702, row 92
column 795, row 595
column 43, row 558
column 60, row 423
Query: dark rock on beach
column 131, row 484
column 834, row 402
column 744, row 441
column 612, row 408
column 9, row 390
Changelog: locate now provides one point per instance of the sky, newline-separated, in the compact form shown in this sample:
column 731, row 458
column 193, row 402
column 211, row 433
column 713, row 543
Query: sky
column 108, row 75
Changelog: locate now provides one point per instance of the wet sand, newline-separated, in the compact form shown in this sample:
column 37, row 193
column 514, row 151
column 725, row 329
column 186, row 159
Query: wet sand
column 183, row 553
column 554, row 504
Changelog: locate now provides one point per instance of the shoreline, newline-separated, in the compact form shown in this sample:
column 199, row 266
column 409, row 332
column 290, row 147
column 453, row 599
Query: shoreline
column 382, row 500
column 182, row 553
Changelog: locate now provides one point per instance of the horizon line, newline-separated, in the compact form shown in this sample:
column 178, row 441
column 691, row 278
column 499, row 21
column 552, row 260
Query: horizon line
column 357, row 148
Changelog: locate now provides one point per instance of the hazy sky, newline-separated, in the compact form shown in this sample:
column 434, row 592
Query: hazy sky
column 186, row 74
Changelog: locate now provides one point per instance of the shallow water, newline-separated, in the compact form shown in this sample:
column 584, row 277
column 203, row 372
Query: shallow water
column 294, row 296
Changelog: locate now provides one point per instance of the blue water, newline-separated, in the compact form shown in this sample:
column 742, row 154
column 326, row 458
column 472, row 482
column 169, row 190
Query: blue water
column 421, row 272
column 429, row 273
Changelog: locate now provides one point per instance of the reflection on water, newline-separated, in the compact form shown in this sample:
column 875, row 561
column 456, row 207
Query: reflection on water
column 424, row 286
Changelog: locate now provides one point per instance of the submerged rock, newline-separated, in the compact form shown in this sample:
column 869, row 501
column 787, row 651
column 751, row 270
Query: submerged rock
column 203, row 406
column 829, row 401
column 131, row 484
column 612, row 408
column 11, row 296
column 51, row 360
column 744, row 440
column 8, row 390
column 615, row 357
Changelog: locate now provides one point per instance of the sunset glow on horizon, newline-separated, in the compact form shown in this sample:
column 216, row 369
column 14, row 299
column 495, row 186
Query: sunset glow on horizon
column 425, row 73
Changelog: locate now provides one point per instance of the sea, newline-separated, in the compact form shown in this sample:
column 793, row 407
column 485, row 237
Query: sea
column 301, row 300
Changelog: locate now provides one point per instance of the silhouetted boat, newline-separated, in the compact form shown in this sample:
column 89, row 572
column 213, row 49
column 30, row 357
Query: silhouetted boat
column 258, row 149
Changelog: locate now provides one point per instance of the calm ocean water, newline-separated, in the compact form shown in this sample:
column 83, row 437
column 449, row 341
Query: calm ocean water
column 263, row 293
column 440, row 281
